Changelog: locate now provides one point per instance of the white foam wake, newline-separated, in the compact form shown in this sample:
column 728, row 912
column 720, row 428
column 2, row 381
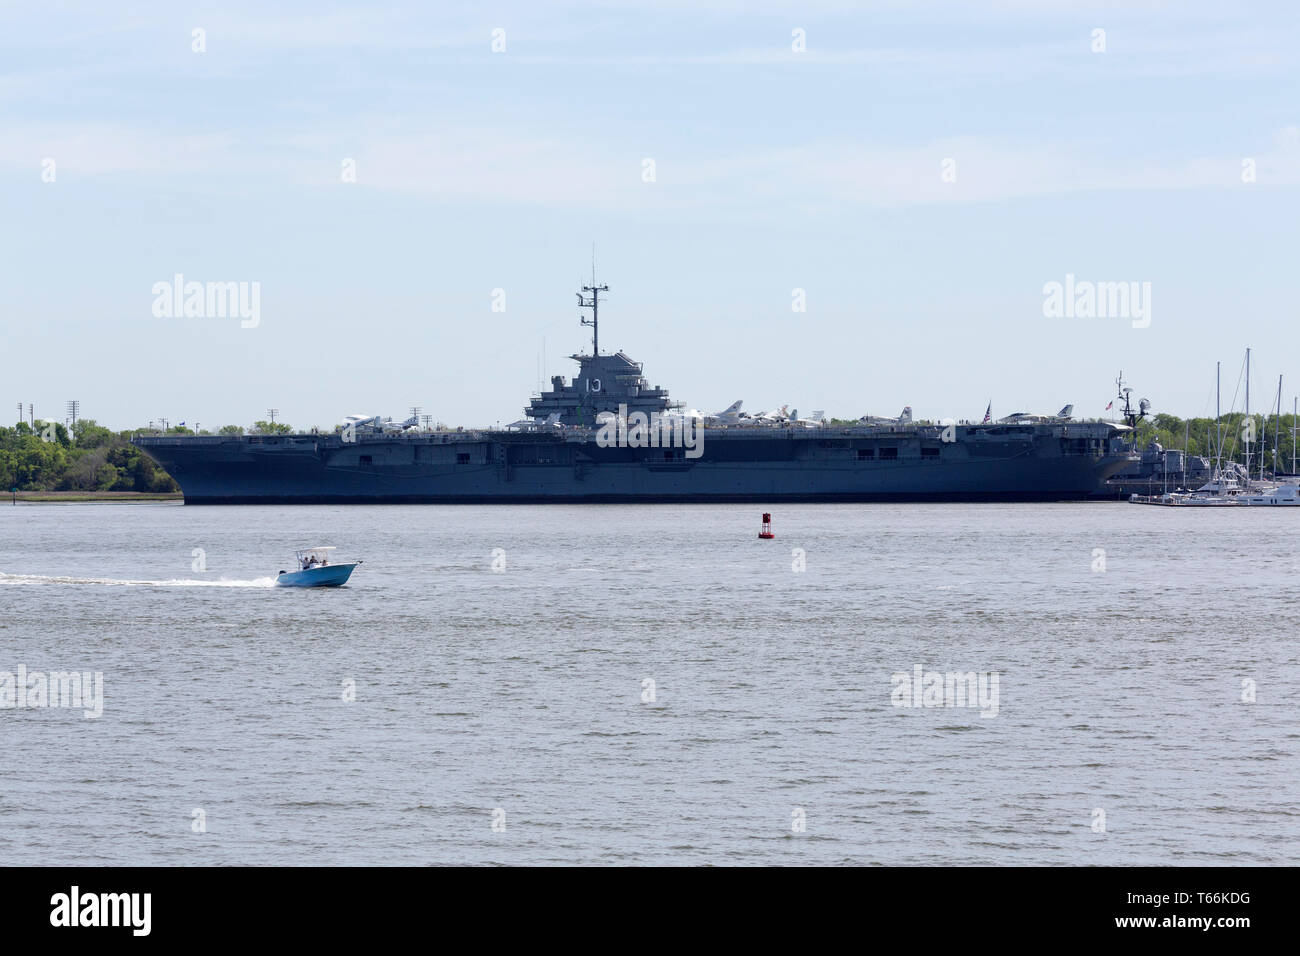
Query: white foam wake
column 120, row 582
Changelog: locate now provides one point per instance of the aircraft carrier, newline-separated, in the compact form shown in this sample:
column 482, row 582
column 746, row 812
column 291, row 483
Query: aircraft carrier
column 609, row 436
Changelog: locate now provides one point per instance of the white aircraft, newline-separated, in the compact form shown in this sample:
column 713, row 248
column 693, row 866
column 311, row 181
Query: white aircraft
column 731, row 415
column 532, row 424
column 817, row 420
column 362, row 421
column 904, row 418
column 379, row 423
column 1029, row 418
column 781, row 414
column 674, row 414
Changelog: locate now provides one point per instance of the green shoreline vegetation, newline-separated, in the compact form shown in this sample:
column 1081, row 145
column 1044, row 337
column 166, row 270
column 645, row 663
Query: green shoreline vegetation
column 47, row 461
column 50, row 462
column 89, row 458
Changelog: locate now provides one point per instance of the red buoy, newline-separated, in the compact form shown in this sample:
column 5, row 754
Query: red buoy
column 767, row 527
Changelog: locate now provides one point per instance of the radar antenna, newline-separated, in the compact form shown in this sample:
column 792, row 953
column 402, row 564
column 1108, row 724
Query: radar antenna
column 1130, row 416
column 593, row 303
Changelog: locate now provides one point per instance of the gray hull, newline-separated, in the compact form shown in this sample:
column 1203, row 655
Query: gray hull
column 905, row 463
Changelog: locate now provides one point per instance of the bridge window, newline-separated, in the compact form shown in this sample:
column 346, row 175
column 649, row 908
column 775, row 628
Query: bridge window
column 888, row 454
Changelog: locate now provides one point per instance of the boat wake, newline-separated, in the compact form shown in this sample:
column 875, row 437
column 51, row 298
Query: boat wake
column 18, row 579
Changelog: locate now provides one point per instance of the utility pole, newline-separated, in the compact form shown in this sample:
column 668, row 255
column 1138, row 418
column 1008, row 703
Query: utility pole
column 273, row 412
column 73, row 407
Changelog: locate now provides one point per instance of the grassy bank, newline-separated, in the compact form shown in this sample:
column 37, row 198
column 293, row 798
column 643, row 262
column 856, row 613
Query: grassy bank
column 65, row 497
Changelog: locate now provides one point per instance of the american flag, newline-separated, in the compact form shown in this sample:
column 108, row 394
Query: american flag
column 988, row 414
column 1109, row 404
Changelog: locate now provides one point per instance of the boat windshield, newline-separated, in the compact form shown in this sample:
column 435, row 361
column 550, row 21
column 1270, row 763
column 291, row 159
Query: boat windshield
column 313, row 557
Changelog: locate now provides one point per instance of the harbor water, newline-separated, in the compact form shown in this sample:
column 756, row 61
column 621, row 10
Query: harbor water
column 653, row 684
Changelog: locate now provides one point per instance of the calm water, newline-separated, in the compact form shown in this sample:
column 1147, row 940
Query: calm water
column 522, row 689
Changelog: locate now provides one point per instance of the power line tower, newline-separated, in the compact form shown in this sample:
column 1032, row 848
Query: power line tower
column 73, row 407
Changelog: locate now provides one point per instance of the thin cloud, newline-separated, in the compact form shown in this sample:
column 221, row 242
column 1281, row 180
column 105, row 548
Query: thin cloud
column 496, row 166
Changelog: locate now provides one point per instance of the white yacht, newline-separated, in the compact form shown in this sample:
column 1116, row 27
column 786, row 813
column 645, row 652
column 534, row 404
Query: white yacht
column 1281, row 496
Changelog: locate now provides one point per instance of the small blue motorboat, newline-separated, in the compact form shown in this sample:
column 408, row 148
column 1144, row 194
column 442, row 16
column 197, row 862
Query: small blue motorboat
column 314, row 570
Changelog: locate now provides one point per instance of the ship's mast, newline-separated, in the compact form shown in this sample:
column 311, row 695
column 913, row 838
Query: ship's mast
column 1131, row 416
column 593, row 303
column 1127, row 412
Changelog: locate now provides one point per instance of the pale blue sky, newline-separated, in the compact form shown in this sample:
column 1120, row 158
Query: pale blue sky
column 775, row 170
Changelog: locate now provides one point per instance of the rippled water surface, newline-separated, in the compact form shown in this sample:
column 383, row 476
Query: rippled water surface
column 521, row 689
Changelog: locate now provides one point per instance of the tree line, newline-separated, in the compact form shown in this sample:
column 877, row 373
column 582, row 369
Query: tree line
column 1204, row 436
column 89, row 457
column 50, row 456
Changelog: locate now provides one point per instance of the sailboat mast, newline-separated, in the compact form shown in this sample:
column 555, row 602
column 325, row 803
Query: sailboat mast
column 1250, row 422
column 1218, row 429
column 1277, row 424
